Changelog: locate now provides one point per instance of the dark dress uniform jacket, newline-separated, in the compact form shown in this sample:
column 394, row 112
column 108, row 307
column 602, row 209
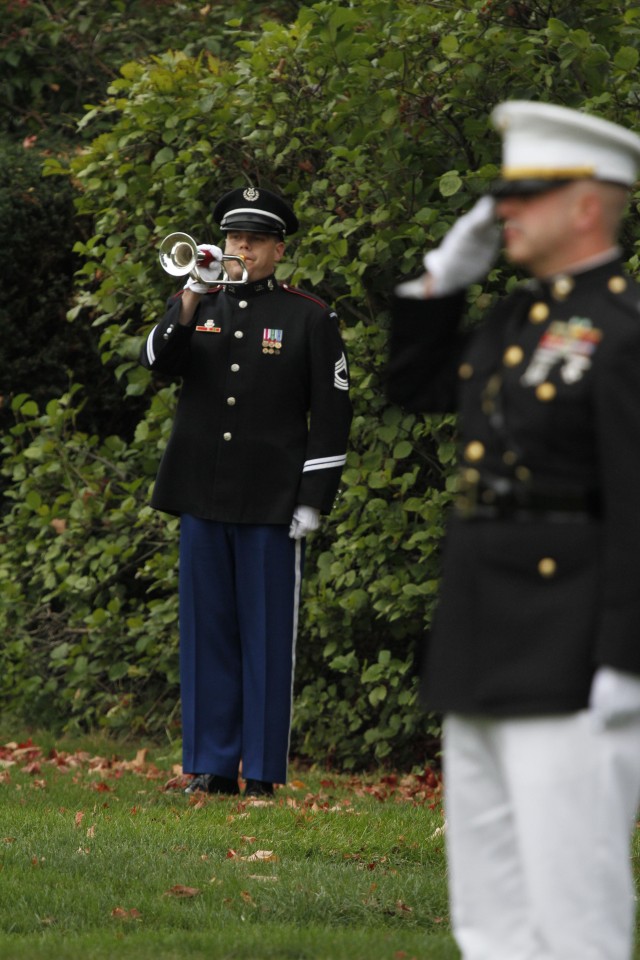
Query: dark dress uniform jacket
column 263, row 416
column 541, row 577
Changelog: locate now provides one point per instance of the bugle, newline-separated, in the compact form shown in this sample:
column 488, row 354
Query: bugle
column 179, row 256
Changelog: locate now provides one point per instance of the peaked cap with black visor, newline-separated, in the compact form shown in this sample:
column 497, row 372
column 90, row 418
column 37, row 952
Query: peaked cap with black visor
column 255, row 210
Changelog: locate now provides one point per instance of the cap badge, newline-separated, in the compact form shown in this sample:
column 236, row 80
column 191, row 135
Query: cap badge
column 251, row 194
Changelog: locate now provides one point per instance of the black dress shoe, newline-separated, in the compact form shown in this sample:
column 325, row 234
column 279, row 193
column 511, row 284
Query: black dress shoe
column 211, row 783
column 258, row 788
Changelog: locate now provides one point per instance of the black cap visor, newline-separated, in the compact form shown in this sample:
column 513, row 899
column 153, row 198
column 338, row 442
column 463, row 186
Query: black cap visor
column 526, row 187
column 252, row 222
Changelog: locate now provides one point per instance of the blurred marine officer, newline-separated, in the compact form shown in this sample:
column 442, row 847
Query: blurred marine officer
column 254, row 459
column 534, row 658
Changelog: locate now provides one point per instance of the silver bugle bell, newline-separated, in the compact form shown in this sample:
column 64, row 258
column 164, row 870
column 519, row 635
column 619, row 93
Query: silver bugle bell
column 179, row 256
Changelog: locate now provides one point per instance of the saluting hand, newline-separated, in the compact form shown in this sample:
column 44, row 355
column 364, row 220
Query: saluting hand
column 465, row 255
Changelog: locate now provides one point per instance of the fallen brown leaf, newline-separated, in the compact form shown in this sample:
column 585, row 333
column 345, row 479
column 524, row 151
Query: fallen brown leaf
column 266, row 856
column 181, row 891
column 121, row 913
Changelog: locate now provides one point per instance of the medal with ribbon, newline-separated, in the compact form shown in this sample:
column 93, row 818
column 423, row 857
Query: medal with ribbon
column 271, row 340
column 570, row 343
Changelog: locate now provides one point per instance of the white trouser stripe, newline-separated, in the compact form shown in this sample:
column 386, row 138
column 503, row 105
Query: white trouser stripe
column 294, row 638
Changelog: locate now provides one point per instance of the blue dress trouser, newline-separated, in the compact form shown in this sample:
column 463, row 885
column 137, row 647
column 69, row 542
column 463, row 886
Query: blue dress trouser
column 239, row 602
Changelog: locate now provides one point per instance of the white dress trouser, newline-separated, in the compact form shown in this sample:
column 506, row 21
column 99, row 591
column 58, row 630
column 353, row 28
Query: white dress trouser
column 539, row 818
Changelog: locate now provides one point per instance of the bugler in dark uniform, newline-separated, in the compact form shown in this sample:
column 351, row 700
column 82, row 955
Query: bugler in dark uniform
column 534, row 656
column 256, row 359
column 253, row 460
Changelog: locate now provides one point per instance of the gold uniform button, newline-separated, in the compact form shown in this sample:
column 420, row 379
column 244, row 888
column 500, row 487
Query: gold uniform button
column 465, row 371
column 562, row 287
column 617, row 284
column 470, row 475
column 545, row 392
column 513, row 356
column 547, row 567
column 474, row 451
column 539, row 312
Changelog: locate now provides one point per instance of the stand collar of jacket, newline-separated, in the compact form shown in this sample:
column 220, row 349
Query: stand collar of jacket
column 560, row 286
column 244, row 291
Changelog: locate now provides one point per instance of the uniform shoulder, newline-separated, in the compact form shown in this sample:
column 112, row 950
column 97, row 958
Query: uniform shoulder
column 304, row 294
column 623, row 295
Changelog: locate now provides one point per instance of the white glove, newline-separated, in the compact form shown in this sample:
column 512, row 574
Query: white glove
column 418, row 289
column 614, row 698
column 209, row 273
column 305, row 519
column 467, row 251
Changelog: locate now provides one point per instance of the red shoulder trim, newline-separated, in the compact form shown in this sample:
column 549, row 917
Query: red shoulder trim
column 302, row 293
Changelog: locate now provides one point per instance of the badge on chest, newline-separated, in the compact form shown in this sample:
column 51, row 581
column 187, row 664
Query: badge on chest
column 271, row 341
column 569, row 344
column 209, row 326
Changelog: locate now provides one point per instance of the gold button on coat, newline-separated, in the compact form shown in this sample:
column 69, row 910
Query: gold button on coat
column 562, row 287
column 474, row 451
column 513, row 356
column 547, row 567
column 538, row 312
column 617, row 284
column 546, row 391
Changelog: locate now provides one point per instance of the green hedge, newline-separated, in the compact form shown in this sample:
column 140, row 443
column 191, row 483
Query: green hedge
column 372, row 118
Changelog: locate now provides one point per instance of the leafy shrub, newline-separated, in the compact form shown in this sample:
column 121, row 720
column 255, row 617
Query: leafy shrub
column 372, row 118
column 88, row 588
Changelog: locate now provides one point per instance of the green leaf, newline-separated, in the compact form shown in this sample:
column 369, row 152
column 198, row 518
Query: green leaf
column 450, row 183
column 402, row 449
column 626, row 58
column 449, row 44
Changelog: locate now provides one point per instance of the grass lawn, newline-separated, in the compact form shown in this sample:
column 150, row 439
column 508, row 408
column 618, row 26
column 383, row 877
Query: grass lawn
column 98, row 859
column 102, row 856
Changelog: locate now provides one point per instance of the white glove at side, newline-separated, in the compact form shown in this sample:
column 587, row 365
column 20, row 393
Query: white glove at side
column 305, row 519
column 210, row 272
column 467, row 251
column 614, row 698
